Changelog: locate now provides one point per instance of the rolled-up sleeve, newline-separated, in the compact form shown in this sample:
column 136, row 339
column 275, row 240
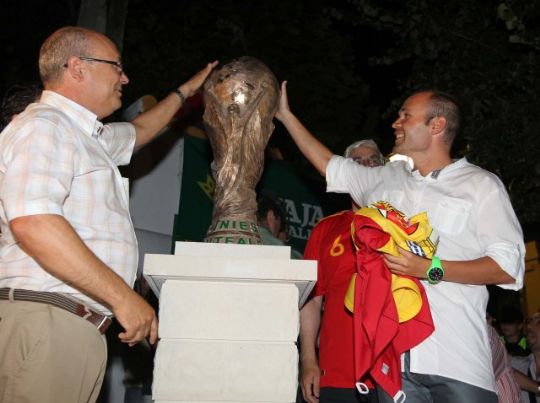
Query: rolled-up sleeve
column 500, row 233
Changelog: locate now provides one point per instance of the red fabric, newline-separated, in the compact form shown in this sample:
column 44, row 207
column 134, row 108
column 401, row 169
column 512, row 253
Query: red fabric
column 330, row 244
column 379, row 338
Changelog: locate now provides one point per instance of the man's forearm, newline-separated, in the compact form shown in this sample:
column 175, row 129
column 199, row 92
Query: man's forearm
column 315, row 151
column 54, row 244
column 479, row 271
column 524, row 382
column 148, row 124
column 310, row 321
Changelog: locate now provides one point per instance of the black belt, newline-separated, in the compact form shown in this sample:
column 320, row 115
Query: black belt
column 99, row 320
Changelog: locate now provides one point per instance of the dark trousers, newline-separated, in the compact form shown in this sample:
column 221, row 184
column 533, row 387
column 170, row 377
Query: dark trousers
column 345, row 395
column 421, row 388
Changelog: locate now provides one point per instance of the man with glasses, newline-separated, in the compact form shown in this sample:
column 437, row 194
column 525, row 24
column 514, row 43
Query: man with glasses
column 68, row 253
column 480, row 241
column 330, row 376
column 365, row 152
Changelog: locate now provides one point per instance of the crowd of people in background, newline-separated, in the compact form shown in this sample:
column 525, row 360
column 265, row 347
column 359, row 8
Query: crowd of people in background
column 66, row 231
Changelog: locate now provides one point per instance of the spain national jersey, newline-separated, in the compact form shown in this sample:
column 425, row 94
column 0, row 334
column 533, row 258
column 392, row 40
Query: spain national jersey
column 331, row 245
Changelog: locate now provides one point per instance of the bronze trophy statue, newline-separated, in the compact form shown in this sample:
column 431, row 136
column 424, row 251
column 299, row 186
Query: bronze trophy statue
column 240, row 100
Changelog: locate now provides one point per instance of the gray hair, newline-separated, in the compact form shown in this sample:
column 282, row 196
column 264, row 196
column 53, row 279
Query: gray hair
column 363, row 143
column 58, row 48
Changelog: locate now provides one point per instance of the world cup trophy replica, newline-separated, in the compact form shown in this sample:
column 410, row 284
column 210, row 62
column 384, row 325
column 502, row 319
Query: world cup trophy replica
column 240, row 100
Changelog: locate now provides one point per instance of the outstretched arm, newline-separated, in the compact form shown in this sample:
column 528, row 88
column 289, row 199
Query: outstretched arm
column 315, row 151
column 310, row 374
column 149, row 123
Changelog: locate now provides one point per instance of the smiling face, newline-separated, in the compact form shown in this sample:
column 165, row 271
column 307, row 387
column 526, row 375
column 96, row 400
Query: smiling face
column 412, row 132
column 104, row 81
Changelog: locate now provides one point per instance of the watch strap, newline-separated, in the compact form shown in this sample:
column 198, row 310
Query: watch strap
column 180, row 95
column 435, row 267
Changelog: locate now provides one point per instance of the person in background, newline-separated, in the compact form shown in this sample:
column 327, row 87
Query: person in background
column 508, row 389
column 16, row 99
column 272, row 221
column 329, row 376
column 510, row 320
column 530, row 366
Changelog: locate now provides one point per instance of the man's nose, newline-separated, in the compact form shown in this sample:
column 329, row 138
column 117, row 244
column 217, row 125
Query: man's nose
column 124, row 78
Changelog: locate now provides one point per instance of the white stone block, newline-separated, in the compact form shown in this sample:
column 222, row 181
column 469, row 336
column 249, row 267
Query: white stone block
column 229, row 311
column 232, row 250
column 158, row 268
column 198, row 371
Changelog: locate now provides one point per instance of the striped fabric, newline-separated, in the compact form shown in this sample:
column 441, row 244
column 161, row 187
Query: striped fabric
column 57, row 158
column 507, row 387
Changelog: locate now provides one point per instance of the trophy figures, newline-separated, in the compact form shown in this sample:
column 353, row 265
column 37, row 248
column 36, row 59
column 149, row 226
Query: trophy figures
column 241, row 100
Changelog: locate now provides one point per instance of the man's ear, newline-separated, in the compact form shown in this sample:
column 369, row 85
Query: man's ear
column 438, row 124
column 75, row 68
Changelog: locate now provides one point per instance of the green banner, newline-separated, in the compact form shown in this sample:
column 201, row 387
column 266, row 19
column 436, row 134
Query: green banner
column 195, row 209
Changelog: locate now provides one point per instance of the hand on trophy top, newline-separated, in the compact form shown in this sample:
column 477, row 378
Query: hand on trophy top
column 283, row 106
column 191, row 86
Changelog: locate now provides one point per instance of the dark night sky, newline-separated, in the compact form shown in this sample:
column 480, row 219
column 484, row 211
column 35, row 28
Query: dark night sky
column 24, row 26
column 501, row 92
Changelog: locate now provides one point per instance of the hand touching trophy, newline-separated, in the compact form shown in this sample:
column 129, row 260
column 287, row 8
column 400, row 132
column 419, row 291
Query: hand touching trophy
column 241, row 100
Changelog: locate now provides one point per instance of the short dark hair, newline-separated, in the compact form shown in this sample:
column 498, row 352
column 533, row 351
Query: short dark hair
column 16, row 99
column 445, row 105
column 509, row 314
column 266, row 202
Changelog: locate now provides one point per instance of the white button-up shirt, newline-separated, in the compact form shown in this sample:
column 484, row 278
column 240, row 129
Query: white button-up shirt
column 470, row 209
column 57, row 158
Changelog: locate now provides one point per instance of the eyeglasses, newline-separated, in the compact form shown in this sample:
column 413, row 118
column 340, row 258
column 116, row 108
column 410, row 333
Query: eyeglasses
column 372, row 161
column 114, row 63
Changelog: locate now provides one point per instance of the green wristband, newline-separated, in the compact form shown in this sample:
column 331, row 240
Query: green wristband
column 435, row 272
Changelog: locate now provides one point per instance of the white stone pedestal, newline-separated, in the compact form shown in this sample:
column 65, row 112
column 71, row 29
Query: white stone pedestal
column 228, row 322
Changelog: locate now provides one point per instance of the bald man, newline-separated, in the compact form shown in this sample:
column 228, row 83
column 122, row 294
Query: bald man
column 68, row 253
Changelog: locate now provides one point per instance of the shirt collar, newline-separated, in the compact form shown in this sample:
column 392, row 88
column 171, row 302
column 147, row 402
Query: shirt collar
column 438, row 173
column 82, row 117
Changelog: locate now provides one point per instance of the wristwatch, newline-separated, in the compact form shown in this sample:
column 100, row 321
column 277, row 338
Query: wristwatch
column 435, row 273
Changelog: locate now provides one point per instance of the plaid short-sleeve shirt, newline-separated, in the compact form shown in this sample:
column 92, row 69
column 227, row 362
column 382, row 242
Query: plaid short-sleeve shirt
column 57, row 158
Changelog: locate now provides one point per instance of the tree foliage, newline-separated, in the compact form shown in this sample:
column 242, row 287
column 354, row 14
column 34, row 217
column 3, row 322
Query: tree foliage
column 165, row 43
column 485, row 54
column 349, row 64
